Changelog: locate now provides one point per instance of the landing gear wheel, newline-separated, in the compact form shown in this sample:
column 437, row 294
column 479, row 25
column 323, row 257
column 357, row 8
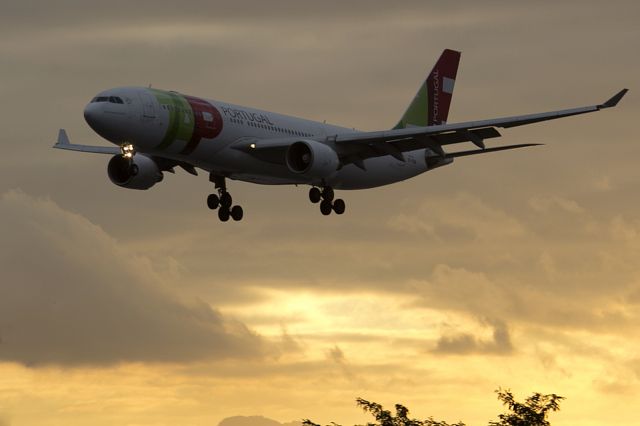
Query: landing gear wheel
column 213, row 201
column 237, row 213
column 223, row 214
column 226, row 200
column 325, row 207
column 327, row 194
column 315, row 195
column 134, row 170
column 339, row 206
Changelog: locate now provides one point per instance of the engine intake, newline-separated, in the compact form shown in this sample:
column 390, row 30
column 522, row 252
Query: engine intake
column 312, row 159
column 139, row 172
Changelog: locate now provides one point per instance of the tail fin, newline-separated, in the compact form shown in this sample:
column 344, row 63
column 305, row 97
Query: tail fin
column 430, row 106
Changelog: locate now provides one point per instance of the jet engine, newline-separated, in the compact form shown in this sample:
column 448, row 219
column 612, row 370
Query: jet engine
column 138, row 172
column 311, row 158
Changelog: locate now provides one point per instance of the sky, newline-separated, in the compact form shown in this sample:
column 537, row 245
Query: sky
column 516, row 270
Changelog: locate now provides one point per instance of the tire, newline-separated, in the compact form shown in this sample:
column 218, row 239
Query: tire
column 328, row 194
column 339, row 206
column 315, row 195
column 223, row 214
column 213, row 201
column 226, row 200
column 325, row 207
column 237, row 213
column 134, row 170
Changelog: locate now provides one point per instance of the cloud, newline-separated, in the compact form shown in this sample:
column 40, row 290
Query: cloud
column 70, row 295
column 462, row 216
column 337, row 357
column 467, row 343
column 544, row 204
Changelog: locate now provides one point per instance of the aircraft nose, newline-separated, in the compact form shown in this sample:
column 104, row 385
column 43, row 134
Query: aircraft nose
column 109, row 117
column 92, row 115
column 101, row 122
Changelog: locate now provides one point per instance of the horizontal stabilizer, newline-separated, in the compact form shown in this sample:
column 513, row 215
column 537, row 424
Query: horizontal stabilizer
column 484, row 151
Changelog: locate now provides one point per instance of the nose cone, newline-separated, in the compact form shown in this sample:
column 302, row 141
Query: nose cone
column 104, row 122
column 94, row 116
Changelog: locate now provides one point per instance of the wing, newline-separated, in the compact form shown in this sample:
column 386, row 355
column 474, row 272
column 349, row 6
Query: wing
column 63, row 143
column 487, row 150
column 358, row 146
column 164, row 163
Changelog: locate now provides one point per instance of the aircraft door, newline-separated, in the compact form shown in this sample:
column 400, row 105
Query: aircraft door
column 148, row 107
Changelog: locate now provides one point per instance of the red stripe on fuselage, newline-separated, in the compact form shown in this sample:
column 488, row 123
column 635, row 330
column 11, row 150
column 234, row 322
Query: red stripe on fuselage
column 208, row 123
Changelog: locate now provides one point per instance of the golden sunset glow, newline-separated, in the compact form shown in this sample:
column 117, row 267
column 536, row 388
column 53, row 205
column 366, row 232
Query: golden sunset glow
column 517, row 270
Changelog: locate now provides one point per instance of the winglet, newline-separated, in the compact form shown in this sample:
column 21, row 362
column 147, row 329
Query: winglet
column 63, row 139
column 614, row 99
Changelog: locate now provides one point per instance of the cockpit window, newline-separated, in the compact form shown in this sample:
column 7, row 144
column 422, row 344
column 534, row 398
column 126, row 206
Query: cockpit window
column 110, row 99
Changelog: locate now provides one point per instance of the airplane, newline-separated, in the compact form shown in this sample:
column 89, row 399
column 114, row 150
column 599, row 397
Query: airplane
column 156, row 131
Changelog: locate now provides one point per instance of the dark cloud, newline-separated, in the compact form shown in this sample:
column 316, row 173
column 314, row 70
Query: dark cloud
column 512, row 250
column 466, row 343
column 36, row 14
column 71, row 295
column 336, row 355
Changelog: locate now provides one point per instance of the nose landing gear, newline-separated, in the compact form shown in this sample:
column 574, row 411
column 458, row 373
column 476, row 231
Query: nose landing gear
column 223, row 201
column 326, row 199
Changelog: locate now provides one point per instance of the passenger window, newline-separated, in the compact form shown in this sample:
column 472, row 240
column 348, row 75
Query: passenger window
column 207, row 116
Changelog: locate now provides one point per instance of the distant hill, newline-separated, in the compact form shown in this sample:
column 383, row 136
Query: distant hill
column 254, row 421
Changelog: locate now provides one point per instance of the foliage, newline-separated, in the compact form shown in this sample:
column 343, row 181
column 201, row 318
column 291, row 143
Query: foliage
column 533, row 412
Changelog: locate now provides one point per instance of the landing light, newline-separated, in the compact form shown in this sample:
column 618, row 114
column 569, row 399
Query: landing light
column 252, row 146
column 128, row 150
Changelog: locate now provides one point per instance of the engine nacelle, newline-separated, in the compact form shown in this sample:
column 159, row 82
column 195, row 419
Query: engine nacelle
column 139, row 172
column 312, row 159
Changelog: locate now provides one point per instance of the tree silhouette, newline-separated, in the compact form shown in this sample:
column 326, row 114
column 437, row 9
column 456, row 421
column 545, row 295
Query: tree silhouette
column 533, row 412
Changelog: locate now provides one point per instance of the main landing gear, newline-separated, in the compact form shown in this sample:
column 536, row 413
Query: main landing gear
column 326, row 199
column 223, row 201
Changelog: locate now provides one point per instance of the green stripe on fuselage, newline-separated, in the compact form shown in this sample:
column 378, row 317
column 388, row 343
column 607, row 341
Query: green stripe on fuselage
column 181, row 120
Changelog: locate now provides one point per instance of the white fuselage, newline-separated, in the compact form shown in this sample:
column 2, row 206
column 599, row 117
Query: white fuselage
column 202, row 132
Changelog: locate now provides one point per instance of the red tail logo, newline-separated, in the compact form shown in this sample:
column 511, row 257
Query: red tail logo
column 440, row 87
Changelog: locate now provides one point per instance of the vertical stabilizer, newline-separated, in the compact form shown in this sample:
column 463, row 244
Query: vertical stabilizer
column 430, row 106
